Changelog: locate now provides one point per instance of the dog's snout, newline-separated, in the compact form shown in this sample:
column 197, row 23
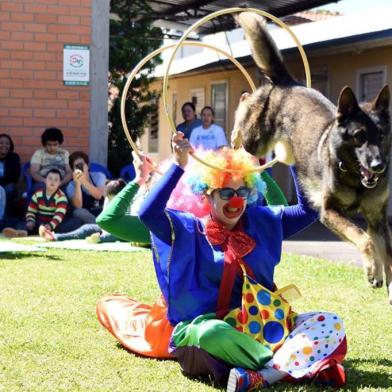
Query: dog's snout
column 377, row 166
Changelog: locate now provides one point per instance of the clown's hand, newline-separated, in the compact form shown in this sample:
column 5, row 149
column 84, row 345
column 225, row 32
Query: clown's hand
column 181, row 149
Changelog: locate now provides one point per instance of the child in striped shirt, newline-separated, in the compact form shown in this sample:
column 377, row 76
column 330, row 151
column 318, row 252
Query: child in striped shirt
column 46, row 210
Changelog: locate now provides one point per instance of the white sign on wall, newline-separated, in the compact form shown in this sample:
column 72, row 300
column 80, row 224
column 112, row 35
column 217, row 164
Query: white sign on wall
column 76, row 66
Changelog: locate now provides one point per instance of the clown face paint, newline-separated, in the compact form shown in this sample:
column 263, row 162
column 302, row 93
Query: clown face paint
column 227, row 212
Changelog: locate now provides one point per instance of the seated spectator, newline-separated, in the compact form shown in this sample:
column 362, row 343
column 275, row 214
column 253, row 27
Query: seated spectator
column 51, row 156
column 46, row 210
column 3, row 203
column 210, row 136
column 89, row 231
column 191, row 121
column 9, row 167
column 87, row 189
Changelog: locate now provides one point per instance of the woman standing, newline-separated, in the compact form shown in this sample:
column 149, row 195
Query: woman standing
column 210, row 136
column 191, row 122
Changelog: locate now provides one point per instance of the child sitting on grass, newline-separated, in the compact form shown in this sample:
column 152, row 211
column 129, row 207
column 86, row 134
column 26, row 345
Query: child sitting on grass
column 46, row 210
column 89, row 231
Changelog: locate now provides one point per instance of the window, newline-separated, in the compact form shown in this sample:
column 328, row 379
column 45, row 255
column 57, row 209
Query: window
column 369, row 83
column 153, row 127
column 219, row 102
column 198, row 99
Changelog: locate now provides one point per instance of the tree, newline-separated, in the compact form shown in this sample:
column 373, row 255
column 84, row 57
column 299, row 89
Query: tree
column 132, row 37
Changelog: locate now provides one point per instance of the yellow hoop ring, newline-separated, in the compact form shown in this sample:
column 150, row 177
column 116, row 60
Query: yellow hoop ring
column 180, row 43
column 142, row 62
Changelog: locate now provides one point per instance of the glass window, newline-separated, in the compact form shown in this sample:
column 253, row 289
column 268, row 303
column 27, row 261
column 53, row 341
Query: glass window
column 219, row 103
column 197, row 97
column 370, row 83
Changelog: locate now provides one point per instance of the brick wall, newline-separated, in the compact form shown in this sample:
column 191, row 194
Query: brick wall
column 32, row 94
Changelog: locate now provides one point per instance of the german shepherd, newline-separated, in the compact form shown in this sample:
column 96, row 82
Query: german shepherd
column 341, row 153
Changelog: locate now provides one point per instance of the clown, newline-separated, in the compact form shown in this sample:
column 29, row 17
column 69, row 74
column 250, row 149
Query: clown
column 199, row 266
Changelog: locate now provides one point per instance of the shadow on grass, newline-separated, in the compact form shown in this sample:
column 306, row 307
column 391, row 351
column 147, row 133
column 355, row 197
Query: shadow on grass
column 25, row 255
column 366, row 378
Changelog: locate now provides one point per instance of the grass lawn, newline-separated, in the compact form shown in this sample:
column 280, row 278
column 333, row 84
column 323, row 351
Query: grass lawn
column 50, row 339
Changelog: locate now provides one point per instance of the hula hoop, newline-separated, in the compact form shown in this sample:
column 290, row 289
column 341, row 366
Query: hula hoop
column 142, row 62
column 180, row 43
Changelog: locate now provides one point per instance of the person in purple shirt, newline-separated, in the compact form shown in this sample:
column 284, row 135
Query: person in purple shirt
column 188, row 111
column 198, row 265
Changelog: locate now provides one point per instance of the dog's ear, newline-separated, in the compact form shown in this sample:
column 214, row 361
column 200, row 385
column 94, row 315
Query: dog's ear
column 381, row 102
column 347, row 103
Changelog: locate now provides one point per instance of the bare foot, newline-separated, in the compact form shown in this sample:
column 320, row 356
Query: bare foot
column 46, row 233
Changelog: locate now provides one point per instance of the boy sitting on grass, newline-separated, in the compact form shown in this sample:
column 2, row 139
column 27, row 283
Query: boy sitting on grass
column 46, row 210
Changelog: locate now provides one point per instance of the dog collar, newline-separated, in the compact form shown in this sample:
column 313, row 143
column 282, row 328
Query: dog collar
column 341, row 167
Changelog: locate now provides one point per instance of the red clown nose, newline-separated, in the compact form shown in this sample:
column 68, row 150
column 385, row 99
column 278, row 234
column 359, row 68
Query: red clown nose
column 236, row 202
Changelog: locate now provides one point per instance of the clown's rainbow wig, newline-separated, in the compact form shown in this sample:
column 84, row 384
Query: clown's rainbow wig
column 204, row 178
column 198, row 179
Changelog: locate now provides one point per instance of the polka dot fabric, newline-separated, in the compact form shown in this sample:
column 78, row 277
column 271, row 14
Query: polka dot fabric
column 263, row 315
column 315, row 336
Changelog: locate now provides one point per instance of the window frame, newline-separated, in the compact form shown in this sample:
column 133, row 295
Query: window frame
column 226, row 83
column 368, row 70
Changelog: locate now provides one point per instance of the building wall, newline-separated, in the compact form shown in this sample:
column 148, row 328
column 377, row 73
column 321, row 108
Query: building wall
column 342, row 70
column 181, row 86
column 32, row 94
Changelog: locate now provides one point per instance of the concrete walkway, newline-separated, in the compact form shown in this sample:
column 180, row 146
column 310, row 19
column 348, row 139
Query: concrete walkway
column 318, row 241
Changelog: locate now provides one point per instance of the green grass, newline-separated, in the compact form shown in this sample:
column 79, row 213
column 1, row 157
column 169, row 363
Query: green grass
column 50, row 339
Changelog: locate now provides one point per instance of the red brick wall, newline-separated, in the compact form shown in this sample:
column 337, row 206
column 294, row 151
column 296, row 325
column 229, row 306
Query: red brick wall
column 32, row 94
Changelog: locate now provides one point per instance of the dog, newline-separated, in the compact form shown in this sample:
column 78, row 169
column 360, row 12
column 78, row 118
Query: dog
column 341, row 153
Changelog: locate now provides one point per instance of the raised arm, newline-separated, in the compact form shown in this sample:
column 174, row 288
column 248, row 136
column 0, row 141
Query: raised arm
column 297, row 217
column 114, row 218
column 152, row 211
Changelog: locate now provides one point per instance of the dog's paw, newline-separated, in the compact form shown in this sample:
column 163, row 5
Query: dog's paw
column 375, row 283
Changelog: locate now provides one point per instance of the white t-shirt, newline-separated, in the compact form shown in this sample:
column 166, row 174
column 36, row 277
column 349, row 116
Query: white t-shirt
column 210, row 138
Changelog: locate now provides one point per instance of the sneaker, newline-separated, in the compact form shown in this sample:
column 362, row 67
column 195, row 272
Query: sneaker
column 241, row 380
column 9, row 232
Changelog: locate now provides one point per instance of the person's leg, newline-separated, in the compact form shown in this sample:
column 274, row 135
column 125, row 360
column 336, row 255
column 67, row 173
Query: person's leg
column 79, row 234
column 84, row 215
column 316, row 344
column 138, row 327
column 107, row 237
column 222, row 341
column 11, row 194
column 69, row 224
column 16, row 228
column 3, row 202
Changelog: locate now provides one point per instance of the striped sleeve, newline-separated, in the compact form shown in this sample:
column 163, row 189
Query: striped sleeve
column 61, row 209
column 32, row 209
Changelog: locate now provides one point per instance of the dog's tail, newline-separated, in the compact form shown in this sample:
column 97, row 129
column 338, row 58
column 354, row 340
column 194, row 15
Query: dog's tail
column 264, row 51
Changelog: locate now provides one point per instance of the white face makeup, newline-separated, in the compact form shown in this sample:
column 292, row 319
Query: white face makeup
column 222, row 211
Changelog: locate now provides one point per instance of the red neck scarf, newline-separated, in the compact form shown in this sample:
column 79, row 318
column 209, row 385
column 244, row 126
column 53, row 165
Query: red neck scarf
column 235, row 244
